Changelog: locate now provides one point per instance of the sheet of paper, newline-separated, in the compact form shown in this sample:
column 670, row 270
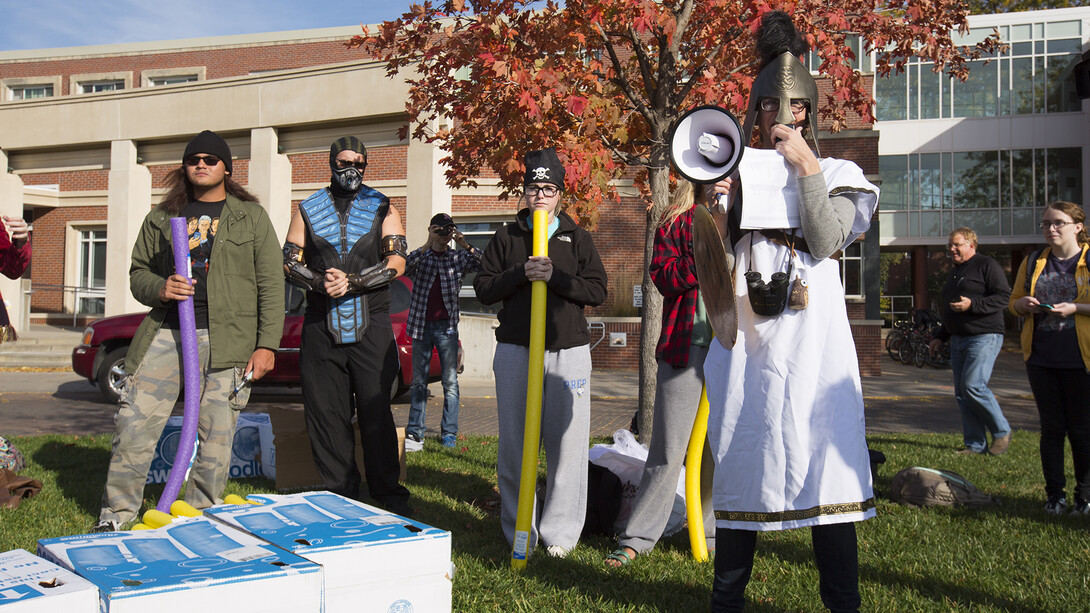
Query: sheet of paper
column 769, row 191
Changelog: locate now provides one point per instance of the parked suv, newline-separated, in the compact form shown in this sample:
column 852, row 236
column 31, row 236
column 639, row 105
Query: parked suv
column 100, row 356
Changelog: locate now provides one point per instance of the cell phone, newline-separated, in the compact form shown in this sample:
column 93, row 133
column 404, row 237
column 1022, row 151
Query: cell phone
column 1045, row 306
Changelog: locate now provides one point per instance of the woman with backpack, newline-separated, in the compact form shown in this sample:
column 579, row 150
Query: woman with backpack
column 1052, row 292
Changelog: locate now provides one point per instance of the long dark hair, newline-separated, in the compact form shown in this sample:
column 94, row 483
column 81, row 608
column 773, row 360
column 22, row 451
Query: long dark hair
column 180, row 191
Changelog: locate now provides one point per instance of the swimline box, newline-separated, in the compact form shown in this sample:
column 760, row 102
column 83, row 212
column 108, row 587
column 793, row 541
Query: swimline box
column 29, row 583
column 252, row 452
column 374, row 561
column 194, row 565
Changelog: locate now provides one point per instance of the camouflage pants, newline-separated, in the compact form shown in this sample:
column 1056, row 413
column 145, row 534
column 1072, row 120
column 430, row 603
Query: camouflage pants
column 149, row 397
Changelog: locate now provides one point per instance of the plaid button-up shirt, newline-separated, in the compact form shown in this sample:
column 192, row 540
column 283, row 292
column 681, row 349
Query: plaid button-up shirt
column 673, row 270
column 424, row 266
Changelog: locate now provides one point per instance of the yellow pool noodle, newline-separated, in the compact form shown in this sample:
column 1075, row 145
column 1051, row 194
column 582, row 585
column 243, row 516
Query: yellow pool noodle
column 236, row 499
column 157, row 519
column 694, row 511
column 531, row 439
column 181, row 508
column 141, row 526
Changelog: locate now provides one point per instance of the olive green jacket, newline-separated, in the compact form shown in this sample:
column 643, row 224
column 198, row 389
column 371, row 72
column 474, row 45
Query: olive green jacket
column 245, row 284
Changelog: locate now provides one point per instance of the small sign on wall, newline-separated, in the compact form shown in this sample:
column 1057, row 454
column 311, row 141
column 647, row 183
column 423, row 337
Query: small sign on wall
column 637, row 296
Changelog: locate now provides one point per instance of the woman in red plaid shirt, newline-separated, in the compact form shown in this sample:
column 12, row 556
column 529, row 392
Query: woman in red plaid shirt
column 680, row 353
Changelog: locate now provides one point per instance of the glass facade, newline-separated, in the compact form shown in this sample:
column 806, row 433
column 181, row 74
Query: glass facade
column 997, row 193
column 1031, row 76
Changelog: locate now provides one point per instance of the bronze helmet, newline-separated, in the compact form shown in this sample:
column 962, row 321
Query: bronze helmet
column 784, row 78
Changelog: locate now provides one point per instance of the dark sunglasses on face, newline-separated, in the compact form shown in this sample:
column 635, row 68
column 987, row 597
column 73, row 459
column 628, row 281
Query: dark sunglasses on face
column 357, row 165
column 209, row 160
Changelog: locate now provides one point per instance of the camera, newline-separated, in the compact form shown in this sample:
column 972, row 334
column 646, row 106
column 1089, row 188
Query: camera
column 445, row 231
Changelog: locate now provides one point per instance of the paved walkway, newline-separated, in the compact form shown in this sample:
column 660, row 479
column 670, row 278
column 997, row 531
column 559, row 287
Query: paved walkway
column 903, row 399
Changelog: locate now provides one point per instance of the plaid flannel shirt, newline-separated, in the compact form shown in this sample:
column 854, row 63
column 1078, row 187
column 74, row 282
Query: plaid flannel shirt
column 423, row 266
column 674, row 272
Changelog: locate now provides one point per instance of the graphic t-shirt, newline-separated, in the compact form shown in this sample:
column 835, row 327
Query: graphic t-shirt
column 1055, row 343
column 203, row 219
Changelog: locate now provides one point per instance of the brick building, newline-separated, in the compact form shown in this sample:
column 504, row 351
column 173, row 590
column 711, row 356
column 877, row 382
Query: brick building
column 87, row 135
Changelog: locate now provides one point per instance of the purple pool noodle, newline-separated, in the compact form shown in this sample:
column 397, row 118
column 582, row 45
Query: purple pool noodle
column 190, row 371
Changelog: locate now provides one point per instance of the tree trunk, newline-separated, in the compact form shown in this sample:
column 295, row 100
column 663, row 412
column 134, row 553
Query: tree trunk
column 651, row 321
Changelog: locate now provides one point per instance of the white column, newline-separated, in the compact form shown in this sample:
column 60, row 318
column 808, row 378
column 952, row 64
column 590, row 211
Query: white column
column 426, row 192
column 129, row 201
column 11, row 204
column 270, row 178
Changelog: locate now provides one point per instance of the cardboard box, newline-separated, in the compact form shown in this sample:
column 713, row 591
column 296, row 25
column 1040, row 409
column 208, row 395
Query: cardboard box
column 194, row 565
column 292, row 459
column 29, row 583
column 374, row 561
column 251, row 450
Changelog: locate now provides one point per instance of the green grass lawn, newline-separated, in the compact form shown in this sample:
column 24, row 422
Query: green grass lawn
column 1012, row 557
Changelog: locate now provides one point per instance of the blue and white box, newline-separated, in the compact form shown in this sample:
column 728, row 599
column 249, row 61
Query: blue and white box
column 374, row 561
column 29, row 583
column 194, row 565
column 252, row 451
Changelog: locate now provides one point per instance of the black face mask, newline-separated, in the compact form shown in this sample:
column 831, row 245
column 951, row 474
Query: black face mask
column 349, row 179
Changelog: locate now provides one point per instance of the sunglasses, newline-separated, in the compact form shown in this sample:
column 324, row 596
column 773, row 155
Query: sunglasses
column 360, row 166
column 209, row 160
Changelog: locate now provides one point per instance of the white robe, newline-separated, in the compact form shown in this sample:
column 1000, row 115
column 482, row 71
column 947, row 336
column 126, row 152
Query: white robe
column 786, row 422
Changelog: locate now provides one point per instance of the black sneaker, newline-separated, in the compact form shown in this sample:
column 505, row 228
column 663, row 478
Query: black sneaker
column 105, row 525
column 1056, row 505
column 1082, row 506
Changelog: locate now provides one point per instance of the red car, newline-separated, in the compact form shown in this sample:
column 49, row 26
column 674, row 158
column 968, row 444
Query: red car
column 101, row 354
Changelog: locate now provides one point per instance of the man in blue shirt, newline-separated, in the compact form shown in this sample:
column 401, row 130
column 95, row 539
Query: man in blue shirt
column 437, row 272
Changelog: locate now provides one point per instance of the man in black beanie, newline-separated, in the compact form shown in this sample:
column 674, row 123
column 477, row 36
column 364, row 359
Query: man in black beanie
column 238, row 302
column 344, row 247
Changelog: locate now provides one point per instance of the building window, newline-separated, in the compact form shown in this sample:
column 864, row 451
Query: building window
column 863, row 61
column 30, row 92
column 94, row 87
column 478, row 234
column 172, row 80
column 851, row 270
column 1032, row 76
column 91, row 285
column 997, row 193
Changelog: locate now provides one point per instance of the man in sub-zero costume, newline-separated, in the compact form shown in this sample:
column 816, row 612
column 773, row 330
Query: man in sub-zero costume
column 786, row 422
column 344, row 247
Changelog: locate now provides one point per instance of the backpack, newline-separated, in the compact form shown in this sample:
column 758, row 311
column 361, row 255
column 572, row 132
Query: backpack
column 926, row 487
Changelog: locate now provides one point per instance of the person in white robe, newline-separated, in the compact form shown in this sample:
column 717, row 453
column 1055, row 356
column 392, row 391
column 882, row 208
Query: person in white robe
column 786, row 424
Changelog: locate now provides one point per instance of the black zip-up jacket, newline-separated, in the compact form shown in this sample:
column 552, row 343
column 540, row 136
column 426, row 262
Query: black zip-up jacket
column 982, row 281
column 578, row 281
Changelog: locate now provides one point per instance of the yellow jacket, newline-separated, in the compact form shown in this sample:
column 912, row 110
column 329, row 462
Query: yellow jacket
column 1082, row 282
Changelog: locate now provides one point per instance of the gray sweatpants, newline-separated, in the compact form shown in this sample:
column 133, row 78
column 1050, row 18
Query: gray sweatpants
column 565, row 434
column 677, row 396
column 146, row 403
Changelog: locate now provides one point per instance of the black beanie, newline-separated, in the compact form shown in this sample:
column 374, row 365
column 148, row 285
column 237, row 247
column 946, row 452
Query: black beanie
column 211, row 143
column 346, row 143
column 543, row 166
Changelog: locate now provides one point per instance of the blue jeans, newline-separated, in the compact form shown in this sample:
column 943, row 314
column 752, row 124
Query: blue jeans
column 972, row 359
column 435, row 335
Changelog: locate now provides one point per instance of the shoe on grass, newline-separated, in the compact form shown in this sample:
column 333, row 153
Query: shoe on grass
column 968, row 451
column 620, row 557
column 105, row 525
column 1082, row 506
column 411, row 445
column 556, row 551
column 999, row 445
column 450, row 440
column 1056, row 505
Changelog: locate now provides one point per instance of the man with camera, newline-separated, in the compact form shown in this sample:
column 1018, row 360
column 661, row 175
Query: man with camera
column 437, row 272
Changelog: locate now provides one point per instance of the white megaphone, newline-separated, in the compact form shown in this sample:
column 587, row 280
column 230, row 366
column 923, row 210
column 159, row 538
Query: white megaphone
column 706, row 144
